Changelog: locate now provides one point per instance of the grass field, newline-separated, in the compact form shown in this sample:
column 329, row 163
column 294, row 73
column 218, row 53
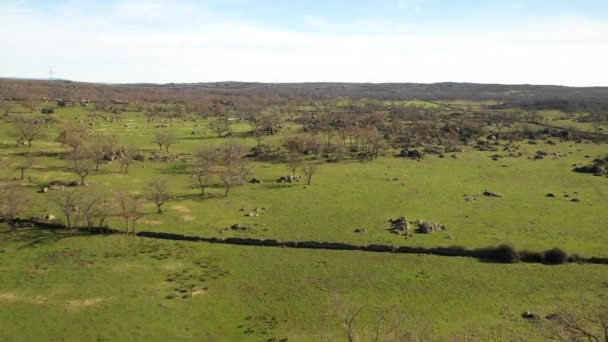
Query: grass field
column 109, row 288
column 82, row 287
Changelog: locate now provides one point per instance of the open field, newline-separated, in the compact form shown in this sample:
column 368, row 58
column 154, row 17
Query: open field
column 108, row 288
column 92, row 287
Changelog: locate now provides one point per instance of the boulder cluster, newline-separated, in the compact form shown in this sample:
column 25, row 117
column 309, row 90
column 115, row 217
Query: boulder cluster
column 403, row 227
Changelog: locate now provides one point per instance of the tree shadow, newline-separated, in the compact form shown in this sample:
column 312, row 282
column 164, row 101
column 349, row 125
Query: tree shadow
column 32, row 237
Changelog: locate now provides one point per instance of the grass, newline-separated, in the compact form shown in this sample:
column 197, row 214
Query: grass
column 117, row 288
column 122, row 288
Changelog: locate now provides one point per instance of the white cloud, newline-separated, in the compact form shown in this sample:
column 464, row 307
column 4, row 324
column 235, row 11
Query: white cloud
column 109, row 47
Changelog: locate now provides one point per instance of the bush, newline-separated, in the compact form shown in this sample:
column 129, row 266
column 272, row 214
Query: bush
column 555, row 256
column 529, row 256
column 503, row 253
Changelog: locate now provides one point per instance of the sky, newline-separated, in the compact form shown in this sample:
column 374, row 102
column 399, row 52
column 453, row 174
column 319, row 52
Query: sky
column 563, row 42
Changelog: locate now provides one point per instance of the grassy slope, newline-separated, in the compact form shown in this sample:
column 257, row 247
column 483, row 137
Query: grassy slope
column 349, row 195
column 108, row 288
column 126, row 290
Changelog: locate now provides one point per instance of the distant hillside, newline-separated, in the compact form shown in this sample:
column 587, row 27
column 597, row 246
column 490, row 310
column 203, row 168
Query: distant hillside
column 32, row 89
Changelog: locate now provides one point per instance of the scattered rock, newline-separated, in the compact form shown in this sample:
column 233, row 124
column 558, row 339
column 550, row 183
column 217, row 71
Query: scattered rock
column 531, row 316
column 492, row 194
column 575, row 200
column 428, row 227
column 552, row 195
column 255, row 181
column 360, row 230
column 239, row 227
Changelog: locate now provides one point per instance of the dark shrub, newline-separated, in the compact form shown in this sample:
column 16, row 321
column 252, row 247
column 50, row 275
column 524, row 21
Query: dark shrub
column 530, row 256
column 555, row 256
column 502, row 253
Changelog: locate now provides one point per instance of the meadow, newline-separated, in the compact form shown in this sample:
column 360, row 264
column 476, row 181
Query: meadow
column 72, row 285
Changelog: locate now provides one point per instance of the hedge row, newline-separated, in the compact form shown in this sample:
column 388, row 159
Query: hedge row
column 500, row 254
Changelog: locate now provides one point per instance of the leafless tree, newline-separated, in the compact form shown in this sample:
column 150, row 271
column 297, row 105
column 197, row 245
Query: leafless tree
column 27, row 130
column 221, row 126
column 68, row 202
column 88, row 207
column 310, row 169
column 82, row 165
column 293, row 162
column 158, row 190
column 205, row 168
column 126, row 158
column 100, row 147
column 75, row 136
column 129, row 209
column 232, row 167
column 13, row 201
column 165, row 138
column 590, row 326
column 104, row 208
column 25, row 164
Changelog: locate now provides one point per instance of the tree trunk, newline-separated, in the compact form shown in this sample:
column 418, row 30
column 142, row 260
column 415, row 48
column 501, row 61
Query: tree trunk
column 29, row 142
column 160, row 210
column 227, row 190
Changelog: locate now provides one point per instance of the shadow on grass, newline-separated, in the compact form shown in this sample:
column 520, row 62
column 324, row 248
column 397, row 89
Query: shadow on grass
column 34, row 236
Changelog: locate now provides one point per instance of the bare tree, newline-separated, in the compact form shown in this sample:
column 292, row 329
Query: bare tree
column 75, row 136
column 232, row 167
column 293, row 162
column 100, row 147
column 12, row 203
column 221, row 126
column 87, row 209
column 82, row 166
column 310, row 169
column 165, row 138
column 128, row 209
column 104, row 208
column 205, row 168
column 27, row 130
column 126, row 158
column 570, row 326
column 25, row 164
column 158, row 190
column 68, row 202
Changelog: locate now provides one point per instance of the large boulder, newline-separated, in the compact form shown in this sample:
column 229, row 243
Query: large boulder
column 427, row 227
column 414, row 154
column 401, row 226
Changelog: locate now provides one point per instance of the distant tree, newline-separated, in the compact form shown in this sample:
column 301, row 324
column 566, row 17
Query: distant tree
column 310, row 169
column 100, row 147
column 27, row 130
column 126, row 158
column 75, row 136
column 293, row 162
column 129, row 209
column 25, row 164
column 68, row 202
column 221, row 126
column 82, row 165
column 232, row 167
column 13, row 202
column 158, row 190
column 87, row 208
column 165, row 138
column 5, row 107
column 103, row 209
column 205, row 168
